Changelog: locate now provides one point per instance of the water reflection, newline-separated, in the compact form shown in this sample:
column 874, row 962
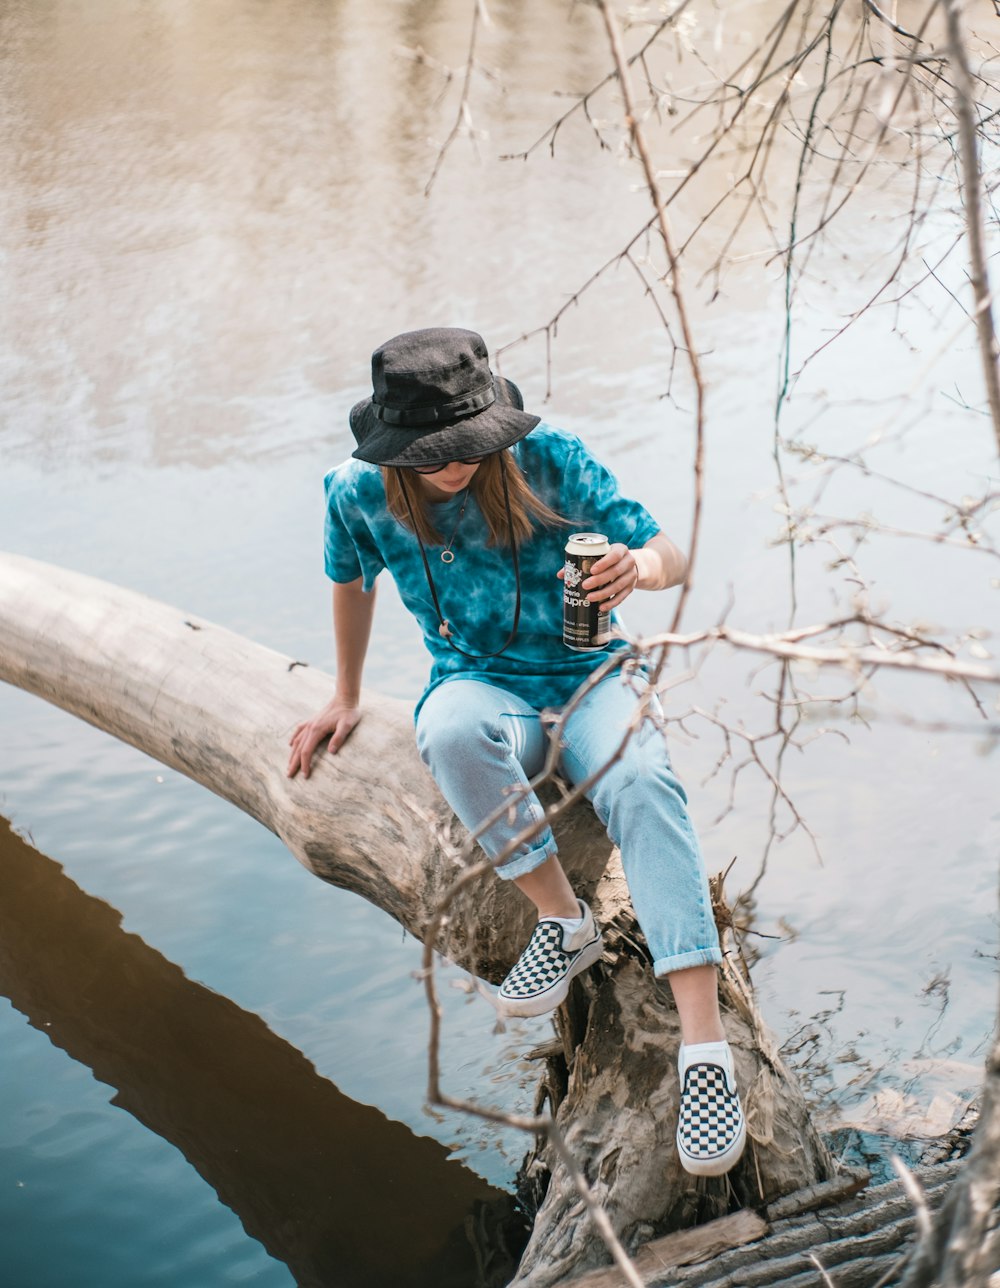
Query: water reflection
column 280, row 1145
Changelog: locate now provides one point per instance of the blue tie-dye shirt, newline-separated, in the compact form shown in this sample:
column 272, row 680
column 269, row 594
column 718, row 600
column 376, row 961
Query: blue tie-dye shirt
column 477, row 591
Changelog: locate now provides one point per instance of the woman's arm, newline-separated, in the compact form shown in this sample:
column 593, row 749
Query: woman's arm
column 655, row 566
column 660, row 564
column 353, row 610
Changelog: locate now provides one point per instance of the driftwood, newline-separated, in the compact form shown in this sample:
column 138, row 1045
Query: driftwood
column 840, row 1232
column 799, row 1242
column 220, row 709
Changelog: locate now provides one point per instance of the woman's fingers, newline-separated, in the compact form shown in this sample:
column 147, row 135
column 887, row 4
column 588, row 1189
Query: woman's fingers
column 307, row 737
column 614, row 593
column 306, row 749
column 304, row 741
column 293, row 759
column 297, row 760
column 343, row 730
column 613, row 577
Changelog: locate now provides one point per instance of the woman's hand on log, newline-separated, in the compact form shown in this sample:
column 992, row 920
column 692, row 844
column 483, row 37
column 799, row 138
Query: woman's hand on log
column 335, row 722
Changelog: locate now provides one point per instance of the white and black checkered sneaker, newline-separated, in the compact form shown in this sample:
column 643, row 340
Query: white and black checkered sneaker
column 540, row 979
column 711, row 1131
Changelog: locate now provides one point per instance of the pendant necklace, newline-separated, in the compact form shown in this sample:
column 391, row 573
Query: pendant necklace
column 447, row 554
column 444, row 626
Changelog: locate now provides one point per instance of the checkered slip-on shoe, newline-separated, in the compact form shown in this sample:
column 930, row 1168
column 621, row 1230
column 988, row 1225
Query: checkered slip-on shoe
column 711, row 1131
column 540, row 979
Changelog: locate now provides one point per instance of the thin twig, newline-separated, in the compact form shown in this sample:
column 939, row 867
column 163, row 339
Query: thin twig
column 916, row 1196
column 691, row 352
column 462, row 115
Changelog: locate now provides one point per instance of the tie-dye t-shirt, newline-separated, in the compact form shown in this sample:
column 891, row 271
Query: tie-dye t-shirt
column 477, row 590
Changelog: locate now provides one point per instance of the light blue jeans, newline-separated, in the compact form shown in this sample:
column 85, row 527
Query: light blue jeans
column 481, row 741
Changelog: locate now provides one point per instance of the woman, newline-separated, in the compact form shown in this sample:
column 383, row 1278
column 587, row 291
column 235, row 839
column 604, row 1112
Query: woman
column 468, row 500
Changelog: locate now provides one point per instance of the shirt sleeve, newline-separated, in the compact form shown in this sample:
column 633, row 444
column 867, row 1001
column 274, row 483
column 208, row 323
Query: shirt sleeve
column 350, row 551
column 591, row 497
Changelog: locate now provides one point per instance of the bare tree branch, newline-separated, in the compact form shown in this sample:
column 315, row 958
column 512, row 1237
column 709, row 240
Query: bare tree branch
column 691, row 352
column 787, row 645
column 972, row 185
column 462, row 116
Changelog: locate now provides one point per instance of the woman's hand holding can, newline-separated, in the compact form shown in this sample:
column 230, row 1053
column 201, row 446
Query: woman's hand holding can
column 613, row 577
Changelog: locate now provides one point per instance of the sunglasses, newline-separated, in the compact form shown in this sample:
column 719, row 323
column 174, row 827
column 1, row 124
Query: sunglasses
column 436, row 469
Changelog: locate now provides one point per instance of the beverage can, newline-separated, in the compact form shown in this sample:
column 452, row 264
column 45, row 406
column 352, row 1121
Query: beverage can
column 586, row 626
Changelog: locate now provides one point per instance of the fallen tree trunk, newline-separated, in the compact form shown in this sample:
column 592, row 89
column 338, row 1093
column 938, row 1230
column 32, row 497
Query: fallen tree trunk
column 220, row 709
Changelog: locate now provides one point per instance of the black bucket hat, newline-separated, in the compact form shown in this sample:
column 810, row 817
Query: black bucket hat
column 436, row 400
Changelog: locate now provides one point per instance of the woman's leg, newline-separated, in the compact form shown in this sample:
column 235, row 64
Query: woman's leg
column 549, row 890
column 696, row 993
column 644, row 808
column 482, row 744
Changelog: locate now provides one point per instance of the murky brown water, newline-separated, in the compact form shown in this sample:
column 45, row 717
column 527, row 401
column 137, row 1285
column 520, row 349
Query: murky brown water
column 210, row 216
column 278, row 1143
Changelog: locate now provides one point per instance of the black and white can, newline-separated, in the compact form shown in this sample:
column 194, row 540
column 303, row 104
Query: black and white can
column 585, row 625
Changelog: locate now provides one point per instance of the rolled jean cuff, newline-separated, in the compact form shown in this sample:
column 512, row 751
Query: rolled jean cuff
column 684, row 961
column 520, row 867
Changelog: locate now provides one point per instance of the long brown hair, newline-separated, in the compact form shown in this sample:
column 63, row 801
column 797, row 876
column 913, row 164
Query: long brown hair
column 486, row 485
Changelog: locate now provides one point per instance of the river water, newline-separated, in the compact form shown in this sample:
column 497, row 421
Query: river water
column 211, row 214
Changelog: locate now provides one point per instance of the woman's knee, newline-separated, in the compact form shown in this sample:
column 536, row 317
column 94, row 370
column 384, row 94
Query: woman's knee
column 448, row 737
column 640, row 784
column 447, row 726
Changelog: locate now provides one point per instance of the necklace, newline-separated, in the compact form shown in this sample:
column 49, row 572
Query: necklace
column 444, row 627
column 447, row 554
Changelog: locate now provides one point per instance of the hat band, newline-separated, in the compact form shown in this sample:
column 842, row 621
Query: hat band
column 415, row 417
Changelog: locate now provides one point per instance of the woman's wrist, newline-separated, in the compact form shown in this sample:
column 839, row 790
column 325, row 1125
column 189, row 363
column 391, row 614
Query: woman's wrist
column 649, row 566
column 660, row 564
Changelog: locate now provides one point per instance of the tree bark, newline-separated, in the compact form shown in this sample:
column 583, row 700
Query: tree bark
column 962, row 1247
column 220, row 709
column 857, row 1243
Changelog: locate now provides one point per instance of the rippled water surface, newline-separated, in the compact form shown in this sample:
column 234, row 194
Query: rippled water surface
column 212, row 1065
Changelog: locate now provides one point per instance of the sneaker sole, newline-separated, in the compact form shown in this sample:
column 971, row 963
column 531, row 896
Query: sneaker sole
column 542, row 1003
column 721, row 1164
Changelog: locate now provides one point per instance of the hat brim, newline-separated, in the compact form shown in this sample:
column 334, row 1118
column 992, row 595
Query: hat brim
column 500, row 425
